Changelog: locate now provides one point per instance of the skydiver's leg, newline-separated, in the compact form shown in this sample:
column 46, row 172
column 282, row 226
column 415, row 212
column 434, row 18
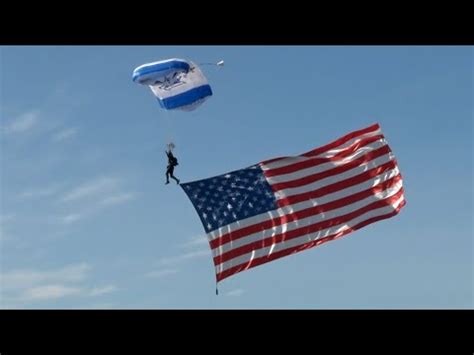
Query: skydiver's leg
column 172, row 175
column 175, row 178
column 167, row 175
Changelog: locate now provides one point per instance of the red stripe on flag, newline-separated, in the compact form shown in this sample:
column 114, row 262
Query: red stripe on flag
column 330, row 172
column 332, row 145
column 258, row 227
column 340, row 185
column 318, row 161
column 264, row 259
column 295, row 233
column 342, row 140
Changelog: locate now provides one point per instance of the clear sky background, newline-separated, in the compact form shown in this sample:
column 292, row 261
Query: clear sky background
column 87, row 222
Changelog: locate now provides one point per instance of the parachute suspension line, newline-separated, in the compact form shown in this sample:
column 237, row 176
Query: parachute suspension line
column 169, row 131
column 218, row 64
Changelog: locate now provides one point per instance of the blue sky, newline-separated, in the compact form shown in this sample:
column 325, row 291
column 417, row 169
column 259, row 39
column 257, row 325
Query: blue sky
column 87, row 222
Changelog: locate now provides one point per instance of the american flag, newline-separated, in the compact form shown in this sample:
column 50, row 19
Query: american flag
column 285, row 205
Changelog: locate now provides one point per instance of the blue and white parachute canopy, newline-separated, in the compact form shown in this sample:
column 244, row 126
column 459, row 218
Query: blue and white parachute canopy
column 178, row 84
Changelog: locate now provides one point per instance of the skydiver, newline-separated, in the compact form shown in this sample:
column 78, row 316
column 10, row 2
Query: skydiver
column 172, row 162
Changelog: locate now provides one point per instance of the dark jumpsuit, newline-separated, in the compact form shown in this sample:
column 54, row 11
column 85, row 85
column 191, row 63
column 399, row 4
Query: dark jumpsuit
column 170, row 168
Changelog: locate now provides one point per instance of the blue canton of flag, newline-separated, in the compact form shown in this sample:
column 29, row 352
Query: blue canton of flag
column 230, row 197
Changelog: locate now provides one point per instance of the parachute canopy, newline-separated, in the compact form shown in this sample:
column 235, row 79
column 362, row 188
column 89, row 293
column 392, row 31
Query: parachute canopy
column 178, row 84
